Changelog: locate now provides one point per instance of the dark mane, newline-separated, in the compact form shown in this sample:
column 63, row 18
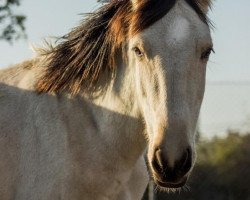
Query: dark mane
column 77, row 61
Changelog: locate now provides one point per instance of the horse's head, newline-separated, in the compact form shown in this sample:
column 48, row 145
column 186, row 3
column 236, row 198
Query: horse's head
column 170, row 60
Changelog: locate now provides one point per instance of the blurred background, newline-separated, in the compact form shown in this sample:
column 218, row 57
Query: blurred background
column 222, row 171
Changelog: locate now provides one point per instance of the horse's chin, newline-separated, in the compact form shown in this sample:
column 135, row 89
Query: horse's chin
column 171, row 185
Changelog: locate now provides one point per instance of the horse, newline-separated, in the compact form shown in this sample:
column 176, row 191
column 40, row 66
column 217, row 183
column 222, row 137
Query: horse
column 77, row 119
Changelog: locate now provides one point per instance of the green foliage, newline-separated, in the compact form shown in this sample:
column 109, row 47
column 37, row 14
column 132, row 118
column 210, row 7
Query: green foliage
column 222, row 171
column 11, row 25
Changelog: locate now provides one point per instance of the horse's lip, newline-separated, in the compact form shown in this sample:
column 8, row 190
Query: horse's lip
column 171, row 185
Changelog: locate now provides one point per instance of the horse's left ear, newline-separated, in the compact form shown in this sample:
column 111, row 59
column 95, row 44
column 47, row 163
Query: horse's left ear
column 205, row 5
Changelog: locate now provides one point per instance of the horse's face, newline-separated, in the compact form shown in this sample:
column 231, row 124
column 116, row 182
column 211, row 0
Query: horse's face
column 170, row 60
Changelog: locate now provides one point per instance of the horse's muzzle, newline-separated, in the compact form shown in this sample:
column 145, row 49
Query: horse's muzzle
column 171, row 176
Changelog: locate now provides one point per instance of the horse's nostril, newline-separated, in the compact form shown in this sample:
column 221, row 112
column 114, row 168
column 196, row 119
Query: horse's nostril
column 157, row 162
column 158, row 157
column 185, row 163
column 166, row 172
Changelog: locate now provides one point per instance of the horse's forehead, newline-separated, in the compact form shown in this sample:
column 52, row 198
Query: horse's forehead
column 183, row 21
column 179, row 25
column 180, row 29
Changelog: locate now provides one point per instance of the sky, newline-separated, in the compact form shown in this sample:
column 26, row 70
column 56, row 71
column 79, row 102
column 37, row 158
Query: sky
column 227, row 98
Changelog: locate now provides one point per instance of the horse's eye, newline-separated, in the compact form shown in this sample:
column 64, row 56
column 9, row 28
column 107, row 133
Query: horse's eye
column 205, row 55
column 138, row 52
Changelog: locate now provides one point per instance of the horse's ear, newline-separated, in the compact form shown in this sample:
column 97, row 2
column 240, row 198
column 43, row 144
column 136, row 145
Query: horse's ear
column 205, row 5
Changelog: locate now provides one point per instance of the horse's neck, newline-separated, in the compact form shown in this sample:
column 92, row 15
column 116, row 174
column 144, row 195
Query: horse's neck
column 117, row 115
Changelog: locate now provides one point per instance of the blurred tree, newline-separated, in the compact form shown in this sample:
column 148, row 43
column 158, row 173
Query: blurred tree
column 11, row 24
